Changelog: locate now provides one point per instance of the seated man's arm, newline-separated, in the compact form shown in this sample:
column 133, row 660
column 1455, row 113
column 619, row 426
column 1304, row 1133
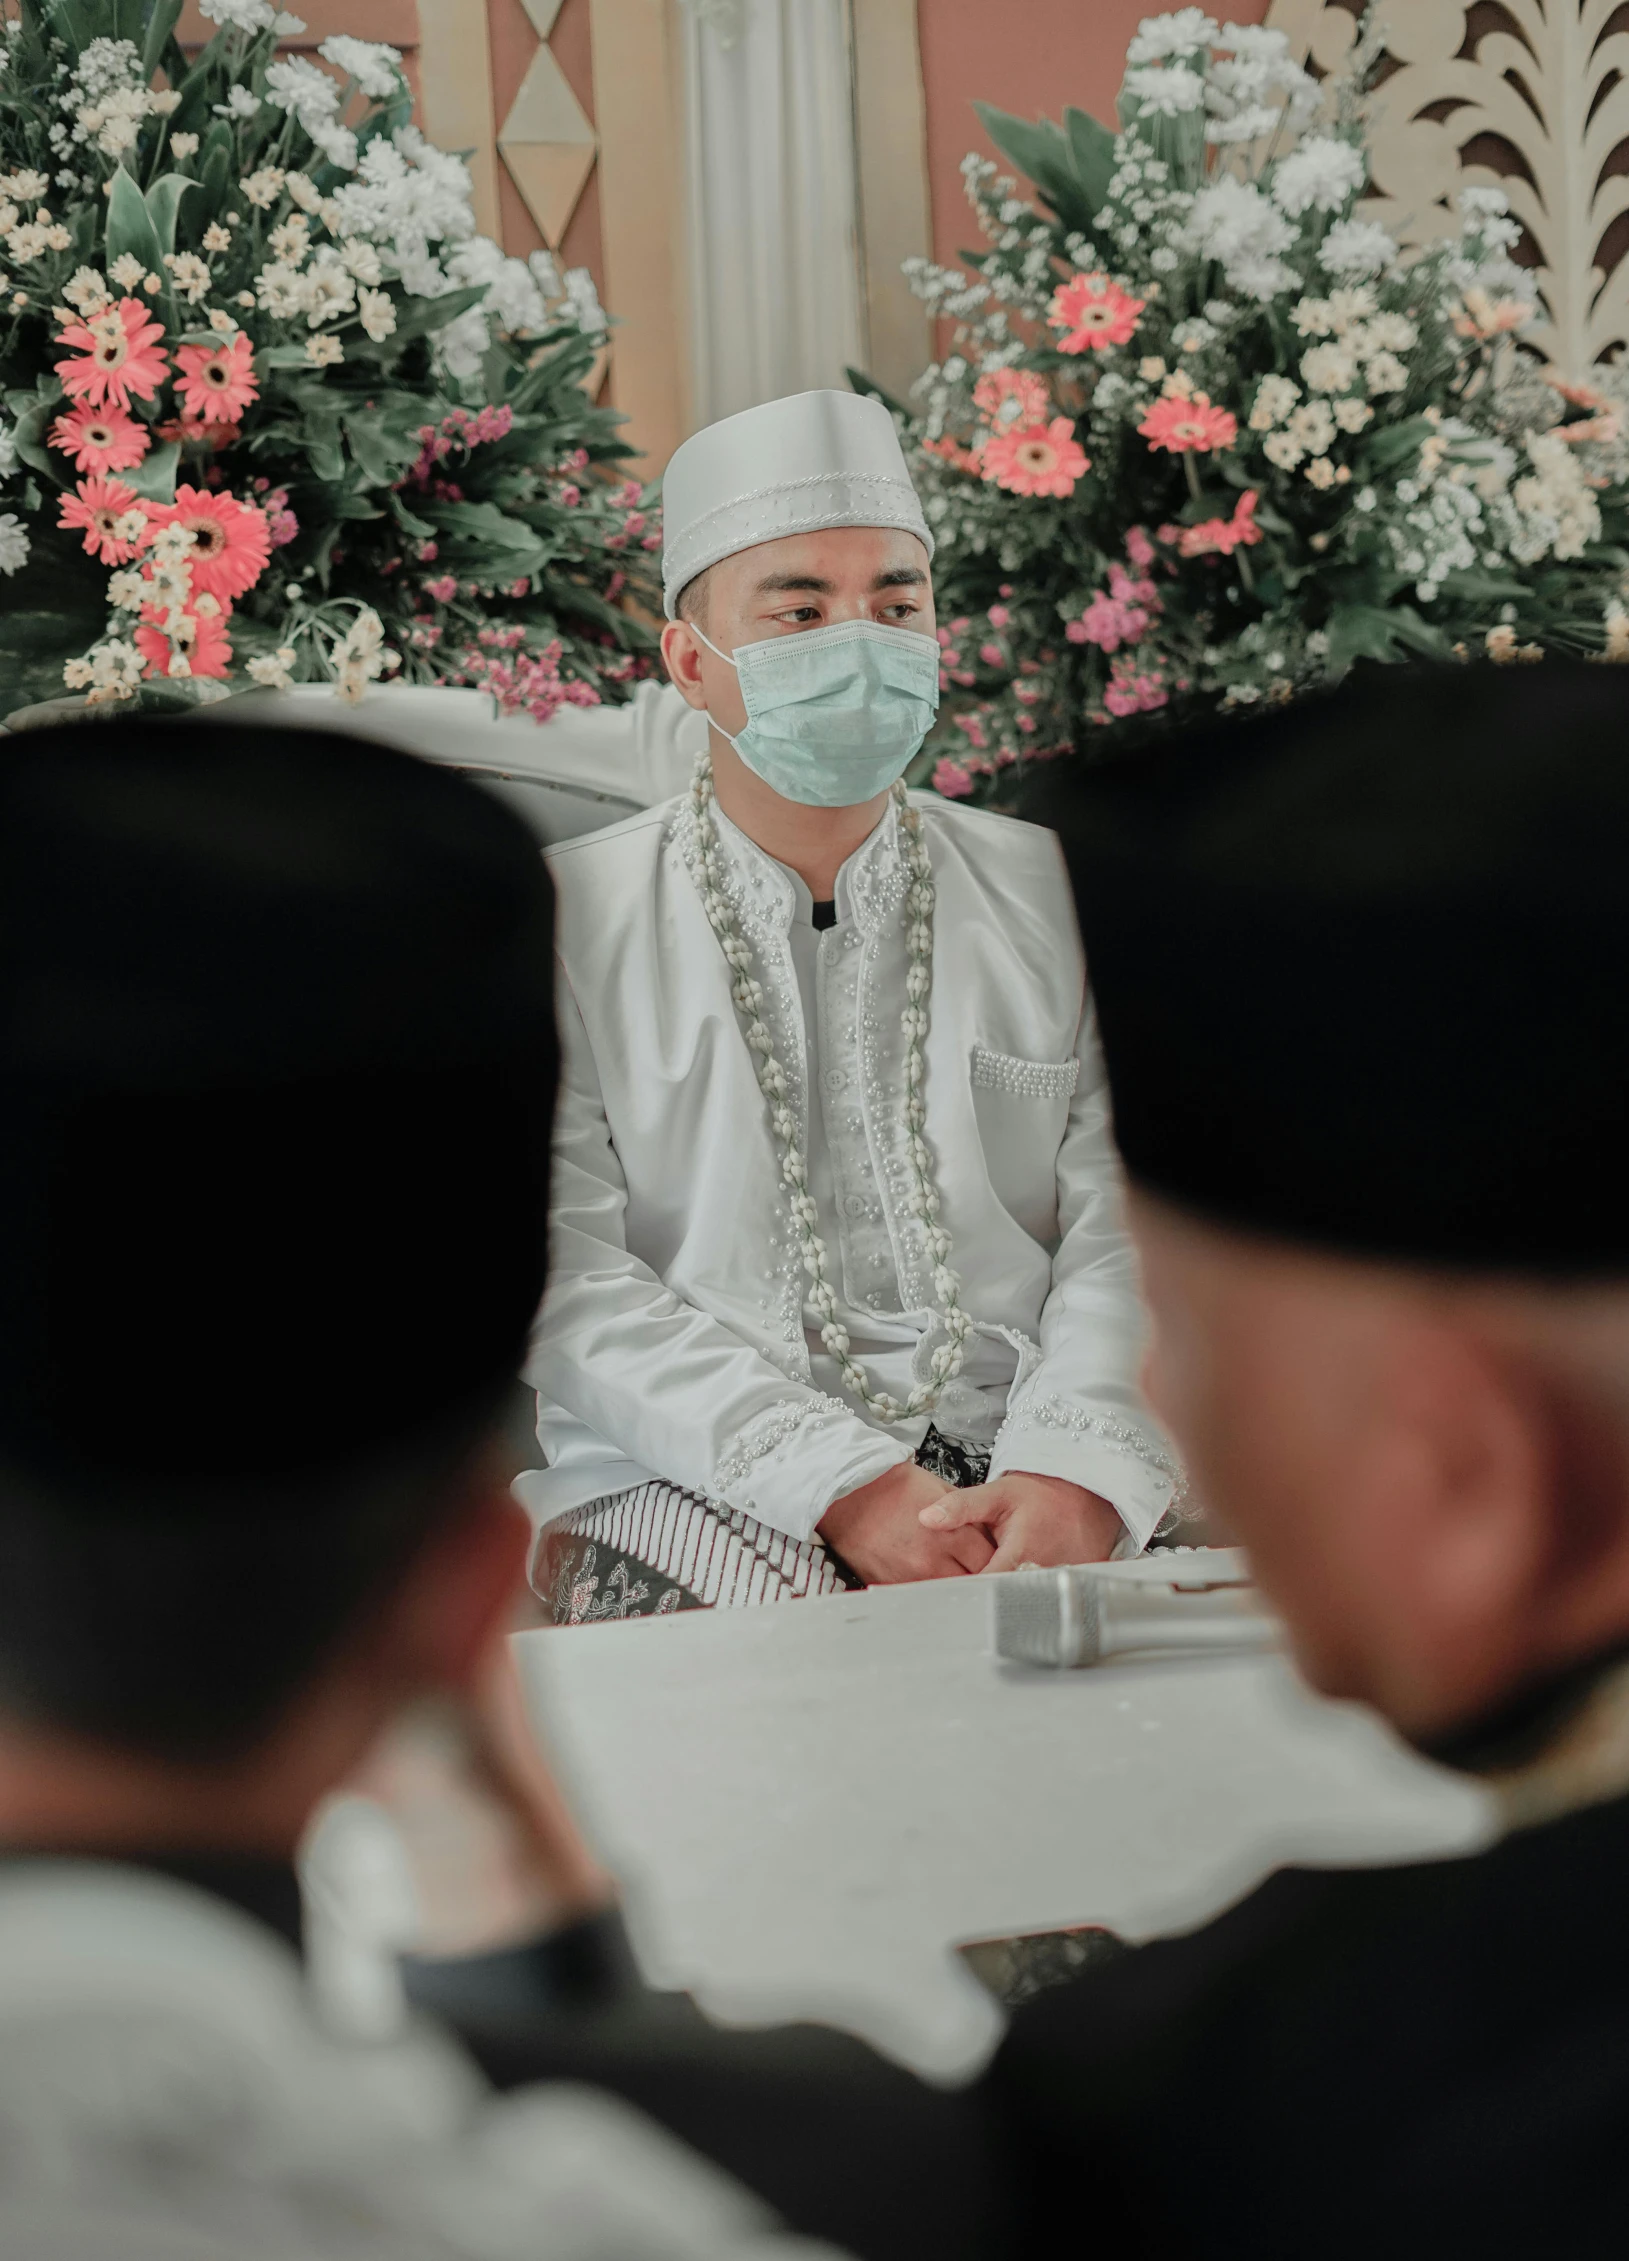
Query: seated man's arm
column 663, row 1381
column 1079, row 1418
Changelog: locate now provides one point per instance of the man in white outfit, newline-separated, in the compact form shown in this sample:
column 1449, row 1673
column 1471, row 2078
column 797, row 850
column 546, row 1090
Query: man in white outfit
column 835, row 1229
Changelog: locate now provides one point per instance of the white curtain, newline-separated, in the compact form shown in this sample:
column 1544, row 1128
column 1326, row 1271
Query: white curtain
column 774, row 270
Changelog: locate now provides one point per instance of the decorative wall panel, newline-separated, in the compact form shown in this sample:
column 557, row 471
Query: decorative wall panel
column 1530, row 95
column 547, row 141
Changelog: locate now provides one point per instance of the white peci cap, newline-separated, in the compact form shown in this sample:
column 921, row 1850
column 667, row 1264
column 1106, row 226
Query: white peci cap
column 793, row 466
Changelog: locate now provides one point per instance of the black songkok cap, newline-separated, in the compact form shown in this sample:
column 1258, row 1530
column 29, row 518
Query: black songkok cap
column 1362, row 966
column 277, row 1068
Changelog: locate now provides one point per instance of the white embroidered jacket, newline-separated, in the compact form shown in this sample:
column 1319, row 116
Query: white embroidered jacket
column 672, row 1341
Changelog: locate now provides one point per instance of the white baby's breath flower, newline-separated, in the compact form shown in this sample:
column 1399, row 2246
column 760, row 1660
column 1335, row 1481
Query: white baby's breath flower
column 1385, row 374
column 1312, row 317
column 1356, row 247
column 190, row 275
column 1329, row 368
column 243, row 15
column 1183, row 32
column 1320, row 173
column 13, row 543
column 375, row 67
column 1312, row 427
column 172, row 545
column 1168, row 92
column 1283, row 450
column 264, row 187
column 1275, row 397
column 273, row 670
column 377, row 312
column 131, row 526
column 1321, row 472
column 1352, row 414
column 324, row 350
column 1389, row 333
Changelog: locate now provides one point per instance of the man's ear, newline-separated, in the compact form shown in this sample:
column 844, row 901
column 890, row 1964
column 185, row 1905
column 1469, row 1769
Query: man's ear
column 681, row 653
column 459, row 1595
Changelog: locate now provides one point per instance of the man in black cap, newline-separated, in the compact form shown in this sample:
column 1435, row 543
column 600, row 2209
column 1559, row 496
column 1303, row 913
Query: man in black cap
column 277, row 1067
column 1363, row 977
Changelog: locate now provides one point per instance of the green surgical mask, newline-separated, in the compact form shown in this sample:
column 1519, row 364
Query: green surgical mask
column 834, row 715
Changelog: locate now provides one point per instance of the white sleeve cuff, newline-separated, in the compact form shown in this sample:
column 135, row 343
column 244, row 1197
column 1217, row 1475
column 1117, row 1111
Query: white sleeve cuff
column 1102, row 1452
column 789, row 1464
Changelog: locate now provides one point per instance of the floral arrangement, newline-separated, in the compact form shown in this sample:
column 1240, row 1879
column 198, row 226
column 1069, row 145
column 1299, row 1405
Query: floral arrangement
column 1207, row 435
column 273, row 409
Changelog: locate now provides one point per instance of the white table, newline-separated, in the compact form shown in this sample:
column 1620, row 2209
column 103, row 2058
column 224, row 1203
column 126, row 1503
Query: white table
column 810, row 1804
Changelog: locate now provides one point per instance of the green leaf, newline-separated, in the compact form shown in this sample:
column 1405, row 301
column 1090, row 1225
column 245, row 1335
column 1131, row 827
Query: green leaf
column 1091, row 152
column 381, row 454
column 130, row 225
column 166, row 14
column 71, row 25
column 1372, row 632
column 154, row 477
column 28, row 438
column 282, row 357
column 414, row 316
column 163, row 201
column 861, row 383
column 215, row 171
column 481, row 522
column 1042, row 151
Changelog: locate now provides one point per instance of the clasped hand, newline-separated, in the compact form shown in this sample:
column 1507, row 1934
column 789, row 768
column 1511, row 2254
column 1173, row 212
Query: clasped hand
column 908, row 1524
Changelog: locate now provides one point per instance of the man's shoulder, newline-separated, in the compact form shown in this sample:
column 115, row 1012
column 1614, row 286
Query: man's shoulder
column 989, row 835
column 588, row 860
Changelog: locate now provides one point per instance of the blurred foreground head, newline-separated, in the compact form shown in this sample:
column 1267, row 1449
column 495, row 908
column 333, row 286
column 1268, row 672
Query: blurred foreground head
column 277, row 1067
column 1362, row 971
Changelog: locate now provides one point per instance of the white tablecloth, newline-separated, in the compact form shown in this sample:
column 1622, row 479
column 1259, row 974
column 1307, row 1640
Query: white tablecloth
column 811, row 1804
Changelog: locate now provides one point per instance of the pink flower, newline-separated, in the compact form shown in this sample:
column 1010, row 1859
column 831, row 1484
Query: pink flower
column 217, row 383
column 121, row 356
column 444, row 590
column 952, row 452
column 96, row 509
column 1220, row 537
column 1093, row 314
column 570, row 495
column 1012, row 399
column 281, row 523
column 999, row 617
column 1139, row 549
column 992, row 655
column 1187, row 423
column 230, row 540
column 1038, row 462
column 950, row 779
column 100, row 439
column 1133, row 693
column 202, row 642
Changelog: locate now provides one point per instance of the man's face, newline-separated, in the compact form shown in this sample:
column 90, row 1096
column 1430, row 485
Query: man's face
column 1341, row 1422
column 788, row 587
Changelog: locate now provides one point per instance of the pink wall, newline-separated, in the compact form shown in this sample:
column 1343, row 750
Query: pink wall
column 1030, row 57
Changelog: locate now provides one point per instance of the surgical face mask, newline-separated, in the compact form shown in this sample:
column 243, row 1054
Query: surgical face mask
column 834, row 715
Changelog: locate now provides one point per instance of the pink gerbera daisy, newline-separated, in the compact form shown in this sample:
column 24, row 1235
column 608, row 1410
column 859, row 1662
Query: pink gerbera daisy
column 120, row 354
column 97, row 507
column 216, row 383
column 1093, row 314
column 1046, row 461
column 1220, row 537
column 1189, row 423
column 1013, row 399
column 200, row 639
column 230, row 540
column 100, row 439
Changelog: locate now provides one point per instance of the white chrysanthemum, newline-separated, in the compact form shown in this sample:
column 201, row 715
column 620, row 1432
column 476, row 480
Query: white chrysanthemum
column 8, row 452
column 300, row 88
column 377, row 312
column 243, row 15
column 337, row 143
column 1319, row 173
column 1355, row 248
column 584, row 300
column 1329, row 368
column 13, row 543
column 1169, row 93
column 1275, row 397
column 375, row 67
column 1184, row 32
column 239, row 103
column 1562, row 514
column 1241, row 126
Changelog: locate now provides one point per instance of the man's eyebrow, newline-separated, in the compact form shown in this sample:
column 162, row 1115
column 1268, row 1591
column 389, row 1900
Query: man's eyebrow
column 773, row 583
column 901, row 577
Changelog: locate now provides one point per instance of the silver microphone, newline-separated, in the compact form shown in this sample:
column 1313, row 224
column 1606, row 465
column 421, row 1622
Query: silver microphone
column 1079, row 1616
